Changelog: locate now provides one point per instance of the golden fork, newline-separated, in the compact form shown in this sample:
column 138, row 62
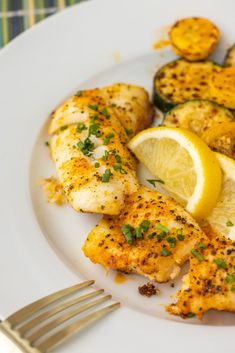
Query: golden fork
column 24, row 331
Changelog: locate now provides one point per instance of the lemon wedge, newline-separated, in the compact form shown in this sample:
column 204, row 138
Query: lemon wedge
column 222, row 217
column 189, row 169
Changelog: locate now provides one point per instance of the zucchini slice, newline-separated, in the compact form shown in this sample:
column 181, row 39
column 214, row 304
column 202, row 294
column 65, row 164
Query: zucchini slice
column 194, row 38
column 197, row 116
column 230, row 57
column 180, row 81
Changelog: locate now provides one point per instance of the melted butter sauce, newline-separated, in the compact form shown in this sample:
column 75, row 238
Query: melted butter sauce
column 120, row 278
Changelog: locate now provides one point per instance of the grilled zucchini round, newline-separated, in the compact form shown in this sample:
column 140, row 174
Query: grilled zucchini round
column 194, row 38
column 230, row 57
column 180, row 81
column 197, row 116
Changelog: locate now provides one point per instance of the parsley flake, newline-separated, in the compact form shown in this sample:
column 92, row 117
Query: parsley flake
column 81, row 127
column 93, row 107
column 162, row 228
column 145, row 225
column 105, row 113
column 107, row 138
column 229, row 224
column 78, row 94
column 127, row 230
column 165, row 252
column 62, row 128
column 86, row 146
column 230, row 279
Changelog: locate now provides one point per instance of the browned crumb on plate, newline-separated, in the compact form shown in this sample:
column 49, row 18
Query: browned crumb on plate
column 148, row 289
column 53, row 191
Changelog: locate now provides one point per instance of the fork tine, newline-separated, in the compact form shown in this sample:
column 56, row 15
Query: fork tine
column 55, row 323
column 32, row 308
column 78, row 325
column 57, row 309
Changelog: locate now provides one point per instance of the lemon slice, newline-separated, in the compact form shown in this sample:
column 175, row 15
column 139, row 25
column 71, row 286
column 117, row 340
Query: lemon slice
column 186, row 165
column 222, row 217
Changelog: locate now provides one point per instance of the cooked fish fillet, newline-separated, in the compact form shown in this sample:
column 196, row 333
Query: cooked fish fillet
column 88, row 146
column 210, row 283
column 160, row 252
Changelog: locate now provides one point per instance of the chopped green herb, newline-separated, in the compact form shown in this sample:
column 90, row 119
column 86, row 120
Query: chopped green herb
column 229, row 224
column 127, row 230
column 151, row 235
column 113, row 105
column 154, row 181
column 165, row 252
column 93, row 106
column 86, row 146
column 161, row 236
column 230, row 279
column 64, row 127
column 128, row 132
column 172, row 241
column 201, row 246
column 106, row 176
column 180, row 235
column 94, row 127
column 190, row 315
column 105, row 156
column 105, row 113
column 97, row 164
column 220, row 263
column 145, row 225
column 107, row 138
column 233, row 288
column 118, row 158
column 78, row 94
column 162, row 228
column 81, row 127
column 46, row 143
column 138, row 233
column 197, row 254
column 118, row 167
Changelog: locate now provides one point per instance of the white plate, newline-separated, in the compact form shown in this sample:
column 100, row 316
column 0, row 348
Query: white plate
column 79, row 48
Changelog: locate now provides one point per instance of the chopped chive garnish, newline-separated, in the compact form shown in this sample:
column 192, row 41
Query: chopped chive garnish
column 201, row 246
column 93, row 106
column 118, row 167
column 220, row 263
column 145, row 225
column 106, row 176
column 81, row 127
column 105, row 113
column 138, row 233
column 86, row 146
column 94, row 129
column 64, row 127
column 172, row 241
column 165, row 252
column 230, row 279
column 118, row 158
column 97, row 164
column 154, row 181
column 161, row 236
column 105, row 156
column 128, row 132
column 46, row 143
column 107, row 138
column 197, row 254
column 180, row 235
column 190, row 315
column 229, row 224
column 78, row 94
column 127, row 230
column 162, row 228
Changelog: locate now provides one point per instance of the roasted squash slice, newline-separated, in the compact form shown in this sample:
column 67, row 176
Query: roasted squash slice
column 197, row 116
column 222, row 87
column 194, row 38
column 221, row 138
column 180, row 81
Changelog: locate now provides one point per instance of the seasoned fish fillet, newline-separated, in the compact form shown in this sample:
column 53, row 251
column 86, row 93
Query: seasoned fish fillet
column 210, row 283
column 152, row 236
column 88, row 146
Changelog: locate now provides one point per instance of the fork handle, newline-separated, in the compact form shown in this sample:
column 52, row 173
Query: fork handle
column 10, row 344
